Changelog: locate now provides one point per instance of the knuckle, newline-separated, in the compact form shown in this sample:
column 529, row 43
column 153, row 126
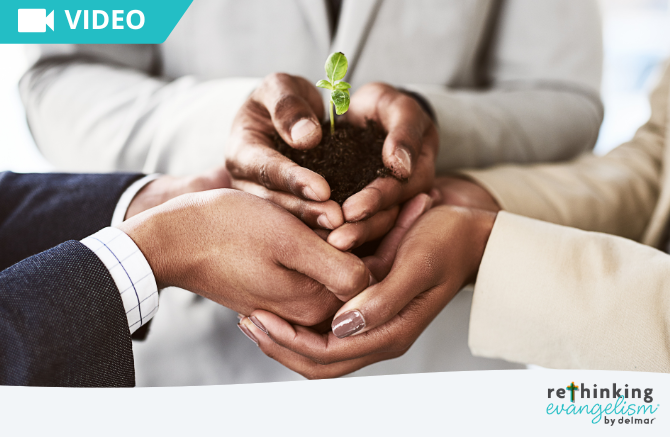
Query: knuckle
column 354, row 278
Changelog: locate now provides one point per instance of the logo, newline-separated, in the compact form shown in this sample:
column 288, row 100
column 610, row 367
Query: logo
column 35, row 20
column 621, row 404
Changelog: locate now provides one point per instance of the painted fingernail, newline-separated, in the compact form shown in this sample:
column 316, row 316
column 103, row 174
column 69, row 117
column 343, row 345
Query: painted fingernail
column 404, row 159
column 324, row 222
column 348, row 323
column 248, row 333
column 258, row 324
column 302, row 129
column 310, row 194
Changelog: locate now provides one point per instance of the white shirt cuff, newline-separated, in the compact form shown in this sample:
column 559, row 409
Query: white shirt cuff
column 131, row 273
column 128, row 196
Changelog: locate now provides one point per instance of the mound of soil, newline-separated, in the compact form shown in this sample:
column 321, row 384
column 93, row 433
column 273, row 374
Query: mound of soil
column 348, row 160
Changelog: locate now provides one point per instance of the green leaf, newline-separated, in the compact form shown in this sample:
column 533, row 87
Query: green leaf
column 342, row 86
column 336, row 66
column 324, row 84
column 341, row 100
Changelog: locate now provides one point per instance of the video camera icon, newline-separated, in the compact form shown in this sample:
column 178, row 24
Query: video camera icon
column 35, row 20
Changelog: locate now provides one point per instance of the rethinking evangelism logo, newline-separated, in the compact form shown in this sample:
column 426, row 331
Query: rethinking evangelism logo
column 633, row 406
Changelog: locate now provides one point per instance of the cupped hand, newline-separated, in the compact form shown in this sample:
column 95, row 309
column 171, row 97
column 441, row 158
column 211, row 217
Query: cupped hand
column 291, row 107
column 435, row 258
column 409, row 150
column 246, row 253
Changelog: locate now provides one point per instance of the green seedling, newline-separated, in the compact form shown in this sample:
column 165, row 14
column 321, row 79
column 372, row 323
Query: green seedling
column 336, row 69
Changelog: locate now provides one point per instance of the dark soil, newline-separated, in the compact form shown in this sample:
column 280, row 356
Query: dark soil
column 348, row 160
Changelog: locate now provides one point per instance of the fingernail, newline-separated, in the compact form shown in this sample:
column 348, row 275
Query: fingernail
column 240, row 316
column 310, row 194
column 342, row 243
column 348, row 323
column 404, row 159
column 248, row 333
column 324, row 222
column 373, row 281
column 258, row 324
column 302, row 128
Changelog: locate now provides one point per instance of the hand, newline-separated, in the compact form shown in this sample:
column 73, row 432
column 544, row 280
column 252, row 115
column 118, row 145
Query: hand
column 246, row 254
column 410, row 150
column 462, row 192
column 165, row 188
column 435, row 259
column 292, row 107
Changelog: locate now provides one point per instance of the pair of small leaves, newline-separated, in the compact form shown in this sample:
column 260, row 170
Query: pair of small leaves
column 336, row 69
column 339, row 96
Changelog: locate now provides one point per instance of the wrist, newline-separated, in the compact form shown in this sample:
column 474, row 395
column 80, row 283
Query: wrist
column 150, row 236
column 481, row 227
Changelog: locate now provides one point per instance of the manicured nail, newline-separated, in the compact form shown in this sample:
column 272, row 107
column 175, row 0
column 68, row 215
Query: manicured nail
column 324, row 222
column 310, row 194
column 302, row 128
column 348, row 323
column 404, row 159
column 258, row 324
column 248, row 333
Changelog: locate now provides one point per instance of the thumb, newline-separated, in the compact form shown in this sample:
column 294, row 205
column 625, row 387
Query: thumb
column 380, row 263
column 379, row 303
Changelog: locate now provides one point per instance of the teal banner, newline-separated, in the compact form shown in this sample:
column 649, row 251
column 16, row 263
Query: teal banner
column 89, row 21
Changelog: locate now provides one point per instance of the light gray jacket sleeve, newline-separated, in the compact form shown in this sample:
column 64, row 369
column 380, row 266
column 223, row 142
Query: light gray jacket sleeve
column 103, row 105
column 544, row 68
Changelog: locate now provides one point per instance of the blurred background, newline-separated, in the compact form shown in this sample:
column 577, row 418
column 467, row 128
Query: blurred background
column 636, row 38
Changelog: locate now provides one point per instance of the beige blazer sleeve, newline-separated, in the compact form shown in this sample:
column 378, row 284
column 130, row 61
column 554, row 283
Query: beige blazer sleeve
column 564, row 298
column 615, row 194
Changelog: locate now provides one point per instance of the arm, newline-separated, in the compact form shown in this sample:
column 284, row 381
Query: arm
column 615, row 193
column 565, row 298
column 114, row 98
column 62, row 322
column 543, row 101
column 40, row 211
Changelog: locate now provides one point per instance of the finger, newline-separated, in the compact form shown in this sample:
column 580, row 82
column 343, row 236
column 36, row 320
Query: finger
column 405, row 122
column 381, row 262
column 344, row 274
column 326, row 349
column 295, row 107
column 382, row 193
column 259, row 162
column 322, row 233
column 409, row 276
column 303, row 365
column 324, row 215
column 352, row 235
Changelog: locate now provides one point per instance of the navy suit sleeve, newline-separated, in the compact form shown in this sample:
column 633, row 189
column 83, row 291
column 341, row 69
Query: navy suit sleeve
column 40, row 211
column 62, row 322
